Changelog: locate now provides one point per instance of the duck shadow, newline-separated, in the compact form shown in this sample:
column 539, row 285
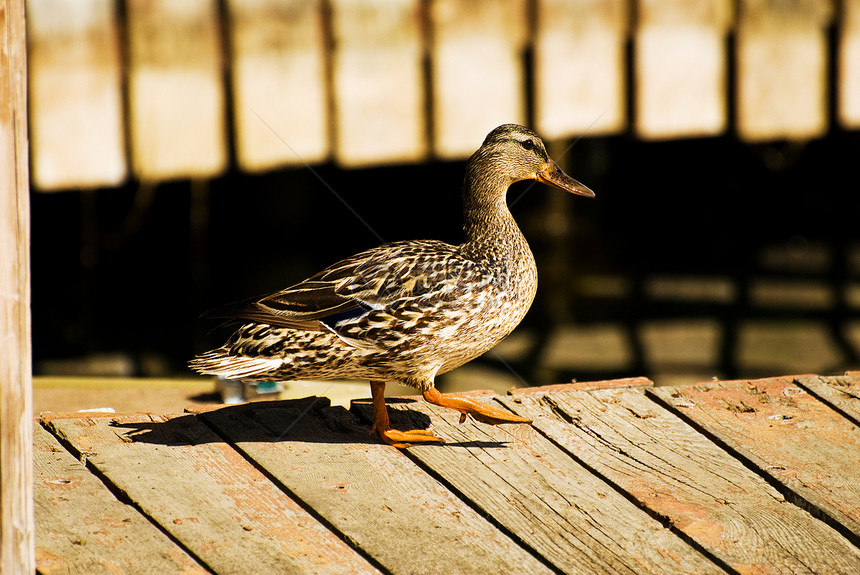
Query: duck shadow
column 306, row 420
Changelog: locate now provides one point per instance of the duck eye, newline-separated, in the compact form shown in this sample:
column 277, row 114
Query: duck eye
column 529, row 144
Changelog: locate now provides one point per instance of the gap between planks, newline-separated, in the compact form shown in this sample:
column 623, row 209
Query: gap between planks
column 274, row 524
column 810, row 499
column 587, row 427
column 112, row 487
column 463, row 496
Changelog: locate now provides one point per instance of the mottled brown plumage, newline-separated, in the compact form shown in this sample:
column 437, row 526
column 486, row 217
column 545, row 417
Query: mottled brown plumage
column 405, row 311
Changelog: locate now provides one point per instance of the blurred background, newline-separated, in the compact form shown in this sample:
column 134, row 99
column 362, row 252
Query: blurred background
column 188, row 154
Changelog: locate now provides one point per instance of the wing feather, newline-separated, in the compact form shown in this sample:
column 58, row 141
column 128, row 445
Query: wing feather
column 351, row 288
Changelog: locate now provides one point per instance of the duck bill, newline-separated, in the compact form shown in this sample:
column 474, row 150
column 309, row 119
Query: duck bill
column 553, row 176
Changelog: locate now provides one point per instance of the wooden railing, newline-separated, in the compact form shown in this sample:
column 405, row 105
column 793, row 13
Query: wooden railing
column 160, row 89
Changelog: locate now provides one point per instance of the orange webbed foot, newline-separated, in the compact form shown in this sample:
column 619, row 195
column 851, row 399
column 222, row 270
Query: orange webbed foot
column 467, row 406
column 381, row 426
column 401, row 439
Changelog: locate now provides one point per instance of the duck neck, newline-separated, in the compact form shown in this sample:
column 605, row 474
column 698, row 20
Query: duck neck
column 489, row 227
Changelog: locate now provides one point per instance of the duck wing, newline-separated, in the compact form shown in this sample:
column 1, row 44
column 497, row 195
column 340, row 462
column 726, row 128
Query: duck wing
column 354, row 288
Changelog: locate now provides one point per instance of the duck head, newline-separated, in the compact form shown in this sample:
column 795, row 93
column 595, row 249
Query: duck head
column 513, row 153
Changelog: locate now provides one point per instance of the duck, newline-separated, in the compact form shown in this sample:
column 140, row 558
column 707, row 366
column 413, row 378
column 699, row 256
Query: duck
column 405, row 311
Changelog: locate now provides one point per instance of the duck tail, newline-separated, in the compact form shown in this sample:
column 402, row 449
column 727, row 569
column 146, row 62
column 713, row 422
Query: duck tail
column 222, row 363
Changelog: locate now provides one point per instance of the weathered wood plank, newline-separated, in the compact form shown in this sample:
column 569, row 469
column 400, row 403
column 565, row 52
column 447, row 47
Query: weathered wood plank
column 16, row 389
column 548, row 500
column 370, row 492
column 476, row 65
column 378, row 82
column 579, row 62
column 842, row 392
column 679, row 474
column 175, row 89
column 787, row 434
column 200, row 490
column 280, row 91
column 81, row 527
column 78, row 138
column 782, row 60
column 583, row 386
column 681, row 68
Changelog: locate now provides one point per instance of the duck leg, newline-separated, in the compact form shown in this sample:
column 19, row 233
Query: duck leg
column 381, row 425
column 466, row 406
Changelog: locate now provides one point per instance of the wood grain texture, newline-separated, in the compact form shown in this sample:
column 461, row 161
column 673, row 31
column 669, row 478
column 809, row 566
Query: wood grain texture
column 82, row 527
column 16, row 394
column 368, row 491
column 583, row 386
column 679, row 474
column 841, row 392
column 207, row 496
column 787, row 434
column 548, row 500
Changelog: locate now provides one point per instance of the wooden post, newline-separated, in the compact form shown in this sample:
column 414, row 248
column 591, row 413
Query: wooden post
column 16, row 432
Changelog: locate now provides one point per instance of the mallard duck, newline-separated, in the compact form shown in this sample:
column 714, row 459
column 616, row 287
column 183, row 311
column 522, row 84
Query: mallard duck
column 405, row 311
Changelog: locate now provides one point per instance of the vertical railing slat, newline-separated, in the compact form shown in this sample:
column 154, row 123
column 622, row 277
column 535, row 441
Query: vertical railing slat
column 848, row 74
column 680, row 67
column 176, row 89
column 782, row 61
column 476, row 69
column 579, row 62
column 280, row 95
column 378, row 82
column 77, row 132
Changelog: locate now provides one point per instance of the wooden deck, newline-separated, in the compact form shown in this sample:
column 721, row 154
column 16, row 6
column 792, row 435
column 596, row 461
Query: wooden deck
column 758, row 476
